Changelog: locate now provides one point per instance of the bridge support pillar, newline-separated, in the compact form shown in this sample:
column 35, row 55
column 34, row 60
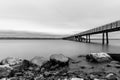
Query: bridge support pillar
column 86, row 38
column 89, row 38
column 107, row 40
column 103, row 38
column 75, row 38
column 79, row 38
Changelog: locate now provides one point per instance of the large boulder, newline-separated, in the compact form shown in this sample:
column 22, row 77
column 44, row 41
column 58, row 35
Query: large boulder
column 59, row 58
column 39, row 61
column 56, row 62
column 98, row 57
column 11, row 61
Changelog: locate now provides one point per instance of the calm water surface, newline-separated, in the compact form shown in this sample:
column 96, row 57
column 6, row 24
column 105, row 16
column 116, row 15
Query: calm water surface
column 30, row 48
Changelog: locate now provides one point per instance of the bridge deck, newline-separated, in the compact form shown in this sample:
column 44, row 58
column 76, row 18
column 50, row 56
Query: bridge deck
column 114, row 26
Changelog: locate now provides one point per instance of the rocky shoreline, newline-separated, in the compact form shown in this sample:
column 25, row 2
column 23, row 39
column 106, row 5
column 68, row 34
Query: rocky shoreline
column 94, row 66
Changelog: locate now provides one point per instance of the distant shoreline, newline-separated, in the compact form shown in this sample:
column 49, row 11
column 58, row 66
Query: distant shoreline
column 30, row 38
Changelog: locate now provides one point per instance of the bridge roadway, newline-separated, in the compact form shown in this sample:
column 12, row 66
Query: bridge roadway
column 104, row 30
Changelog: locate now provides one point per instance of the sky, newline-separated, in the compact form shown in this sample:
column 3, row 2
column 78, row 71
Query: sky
column 57, row 16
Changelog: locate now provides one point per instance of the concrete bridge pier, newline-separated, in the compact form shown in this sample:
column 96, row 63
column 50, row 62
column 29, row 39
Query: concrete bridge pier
column 86, row 38
column 79, row 38
column 107, row 40
column 103, row 38
column 76, row 38
column 89, row 38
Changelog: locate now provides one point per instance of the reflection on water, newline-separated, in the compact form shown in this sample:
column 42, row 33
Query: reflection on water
column 30, row 48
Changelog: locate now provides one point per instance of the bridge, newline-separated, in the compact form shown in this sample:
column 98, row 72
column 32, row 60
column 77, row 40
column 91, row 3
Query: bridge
column 104, row 30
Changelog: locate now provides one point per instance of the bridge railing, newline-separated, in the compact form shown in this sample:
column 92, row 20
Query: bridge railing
column 105, row 27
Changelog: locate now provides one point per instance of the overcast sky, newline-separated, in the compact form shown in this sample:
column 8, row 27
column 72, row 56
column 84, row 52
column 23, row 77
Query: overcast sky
column 57, row 16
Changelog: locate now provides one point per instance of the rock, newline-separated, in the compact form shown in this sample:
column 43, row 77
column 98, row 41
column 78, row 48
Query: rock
column 26, row 65
column 73, row 79
column 111, row 76
column 4, row 79
column 25, row 70
column 56, row 62
column 98, row 57
column 115, row 62
column 40, row 77
column 6, row 66
column 13, row 78
column 39, row 61
column 59, row 58
column 97, row 79
column 92, row 77
column 77, row 79
column 19, row 78
column 11, row 61
column 29, row 75
column 5, row 71
column 115, row 56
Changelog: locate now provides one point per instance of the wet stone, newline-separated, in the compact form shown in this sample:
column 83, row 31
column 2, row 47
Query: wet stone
column 108, row 65
column 39, row 60
column 82, row 67
column 57, row 62
column 59, row 58
column 4, row 71
column 117, row 66
column 98, row 57
column 111, row 76
column 56, row 69
column 11, row 61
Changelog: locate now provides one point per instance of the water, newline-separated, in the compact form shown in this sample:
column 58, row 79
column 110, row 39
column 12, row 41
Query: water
column 29, row 48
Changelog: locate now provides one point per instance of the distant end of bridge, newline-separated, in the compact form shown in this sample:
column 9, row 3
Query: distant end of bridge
column 104, row 30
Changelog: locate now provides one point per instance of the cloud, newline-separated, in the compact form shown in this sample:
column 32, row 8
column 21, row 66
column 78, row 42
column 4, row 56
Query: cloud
column 57, row 16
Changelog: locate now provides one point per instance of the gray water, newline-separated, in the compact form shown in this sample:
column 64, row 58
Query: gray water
column 29, row 48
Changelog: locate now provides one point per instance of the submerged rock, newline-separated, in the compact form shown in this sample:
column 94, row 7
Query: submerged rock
column 11, row 61
column 98, row 57
column 39, row 60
